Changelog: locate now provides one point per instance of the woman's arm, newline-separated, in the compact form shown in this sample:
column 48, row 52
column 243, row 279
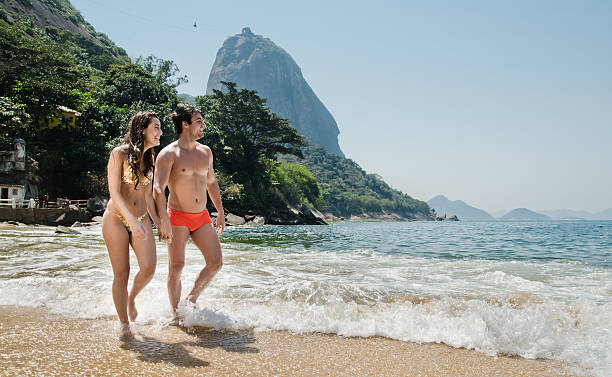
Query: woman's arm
column 114, row 171
column 151, row 207
column 163, row 167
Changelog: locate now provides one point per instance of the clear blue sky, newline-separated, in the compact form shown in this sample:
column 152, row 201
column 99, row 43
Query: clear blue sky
column 502, row 104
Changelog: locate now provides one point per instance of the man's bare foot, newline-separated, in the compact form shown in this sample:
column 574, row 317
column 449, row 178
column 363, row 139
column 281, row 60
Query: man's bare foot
column 132, row 312
column 175, row 320
column 126, row 332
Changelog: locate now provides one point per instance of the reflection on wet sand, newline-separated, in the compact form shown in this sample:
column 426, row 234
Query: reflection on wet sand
column 34, row 342
column 152, row 349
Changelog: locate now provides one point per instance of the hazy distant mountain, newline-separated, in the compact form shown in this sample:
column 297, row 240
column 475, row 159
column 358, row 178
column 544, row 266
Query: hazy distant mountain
column 561, row 214
column 458, row 207
column 187, row 98
column 604, row 215
column 524, row 214
column 256, row 63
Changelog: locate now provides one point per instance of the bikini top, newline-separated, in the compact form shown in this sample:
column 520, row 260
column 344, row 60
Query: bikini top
column 130, row 178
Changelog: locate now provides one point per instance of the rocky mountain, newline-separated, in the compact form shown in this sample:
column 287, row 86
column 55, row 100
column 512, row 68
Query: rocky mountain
column 524, row 214
column 256, row 63
column 462, row 210
column 62, row 22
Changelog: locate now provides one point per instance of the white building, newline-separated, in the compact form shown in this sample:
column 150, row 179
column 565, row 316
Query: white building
column 13, row 175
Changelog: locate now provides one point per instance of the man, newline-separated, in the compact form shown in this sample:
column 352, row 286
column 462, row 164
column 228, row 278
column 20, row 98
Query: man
column 186, row 168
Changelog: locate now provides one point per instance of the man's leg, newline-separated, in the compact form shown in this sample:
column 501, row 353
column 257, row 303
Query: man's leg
column 176, row 262
column 205, row 238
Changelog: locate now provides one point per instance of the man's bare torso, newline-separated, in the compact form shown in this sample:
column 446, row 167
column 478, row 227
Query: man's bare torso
column 187, row 181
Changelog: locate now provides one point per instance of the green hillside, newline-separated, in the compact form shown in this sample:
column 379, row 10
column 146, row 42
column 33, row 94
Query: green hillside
column 60, row 21
column 348, row 190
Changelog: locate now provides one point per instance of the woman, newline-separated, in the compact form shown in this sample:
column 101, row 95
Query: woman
column 125, row 221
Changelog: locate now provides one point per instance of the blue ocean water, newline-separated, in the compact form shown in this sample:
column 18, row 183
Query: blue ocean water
column 533, row 289
column 575, row 241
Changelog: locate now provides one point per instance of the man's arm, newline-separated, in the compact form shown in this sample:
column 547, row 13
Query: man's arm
column 215, row 194
column 163, row 167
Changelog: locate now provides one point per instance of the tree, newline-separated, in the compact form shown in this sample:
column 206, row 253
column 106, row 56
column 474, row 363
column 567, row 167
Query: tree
column 248, row 131
column 38, row 73
column 164, row 71
column 13, row 120
column 126, row 84
column 297, row 184
column 348, row 190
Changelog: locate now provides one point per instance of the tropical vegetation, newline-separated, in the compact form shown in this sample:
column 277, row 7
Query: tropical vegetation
column 262, row 163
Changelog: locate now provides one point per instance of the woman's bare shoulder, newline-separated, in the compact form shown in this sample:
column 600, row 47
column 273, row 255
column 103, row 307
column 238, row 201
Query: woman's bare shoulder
column 120, row 153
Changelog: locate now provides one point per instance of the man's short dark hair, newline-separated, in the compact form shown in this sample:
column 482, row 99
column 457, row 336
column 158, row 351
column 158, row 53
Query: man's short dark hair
column 183, row 112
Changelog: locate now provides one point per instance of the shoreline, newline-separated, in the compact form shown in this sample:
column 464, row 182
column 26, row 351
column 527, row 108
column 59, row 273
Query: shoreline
column 37, row 342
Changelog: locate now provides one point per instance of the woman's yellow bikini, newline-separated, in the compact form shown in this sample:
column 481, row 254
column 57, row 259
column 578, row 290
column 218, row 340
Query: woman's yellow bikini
column 129, row 177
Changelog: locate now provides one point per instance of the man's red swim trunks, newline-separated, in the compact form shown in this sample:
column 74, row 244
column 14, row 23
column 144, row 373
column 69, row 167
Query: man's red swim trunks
column 191, row 220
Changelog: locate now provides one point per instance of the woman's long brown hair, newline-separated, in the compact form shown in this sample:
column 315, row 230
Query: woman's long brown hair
column 134, row 145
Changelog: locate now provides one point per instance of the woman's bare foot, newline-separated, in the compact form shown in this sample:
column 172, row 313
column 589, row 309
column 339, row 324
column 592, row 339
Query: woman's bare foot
column 132, row 312
column 126, row 332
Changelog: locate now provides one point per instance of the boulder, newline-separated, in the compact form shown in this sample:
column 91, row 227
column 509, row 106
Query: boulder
column 96, row 205
column 259, row 220
column 294, row 216
column 232, row 219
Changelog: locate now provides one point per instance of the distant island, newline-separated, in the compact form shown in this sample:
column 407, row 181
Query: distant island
column 462, row 210
column 569, row 214
column 524, row 214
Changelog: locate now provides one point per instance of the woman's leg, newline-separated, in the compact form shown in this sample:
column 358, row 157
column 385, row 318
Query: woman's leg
column 117, row 241
column 146, row 254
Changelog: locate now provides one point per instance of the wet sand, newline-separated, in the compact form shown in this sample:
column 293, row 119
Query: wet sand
column 35, row 342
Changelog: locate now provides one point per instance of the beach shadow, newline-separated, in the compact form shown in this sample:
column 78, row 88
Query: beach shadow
column 151, row 350
column 230, row 340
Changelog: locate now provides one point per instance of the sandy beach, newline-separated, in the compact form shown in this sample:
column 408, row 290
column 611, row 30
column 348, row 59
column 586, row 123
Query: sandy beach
column 36, row 342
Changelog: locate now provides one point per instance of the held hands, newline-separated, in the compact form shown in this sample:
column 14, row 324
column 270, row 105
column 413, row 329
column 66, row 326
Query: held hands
column 164, row 231
column 138, row 230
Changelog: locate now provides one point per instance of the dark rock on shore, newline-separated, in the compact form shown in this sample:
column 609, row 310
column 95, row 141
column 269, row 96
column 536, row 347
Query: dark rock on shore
column 232, row 219
column 294, row 216
column 45, row 216
column 288, row 216
column 97, row 205
column 447, row 218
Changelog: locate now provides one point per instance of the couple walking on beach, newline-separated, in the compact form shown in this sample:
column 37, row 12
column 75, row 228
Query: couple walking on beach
column 185, row 167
